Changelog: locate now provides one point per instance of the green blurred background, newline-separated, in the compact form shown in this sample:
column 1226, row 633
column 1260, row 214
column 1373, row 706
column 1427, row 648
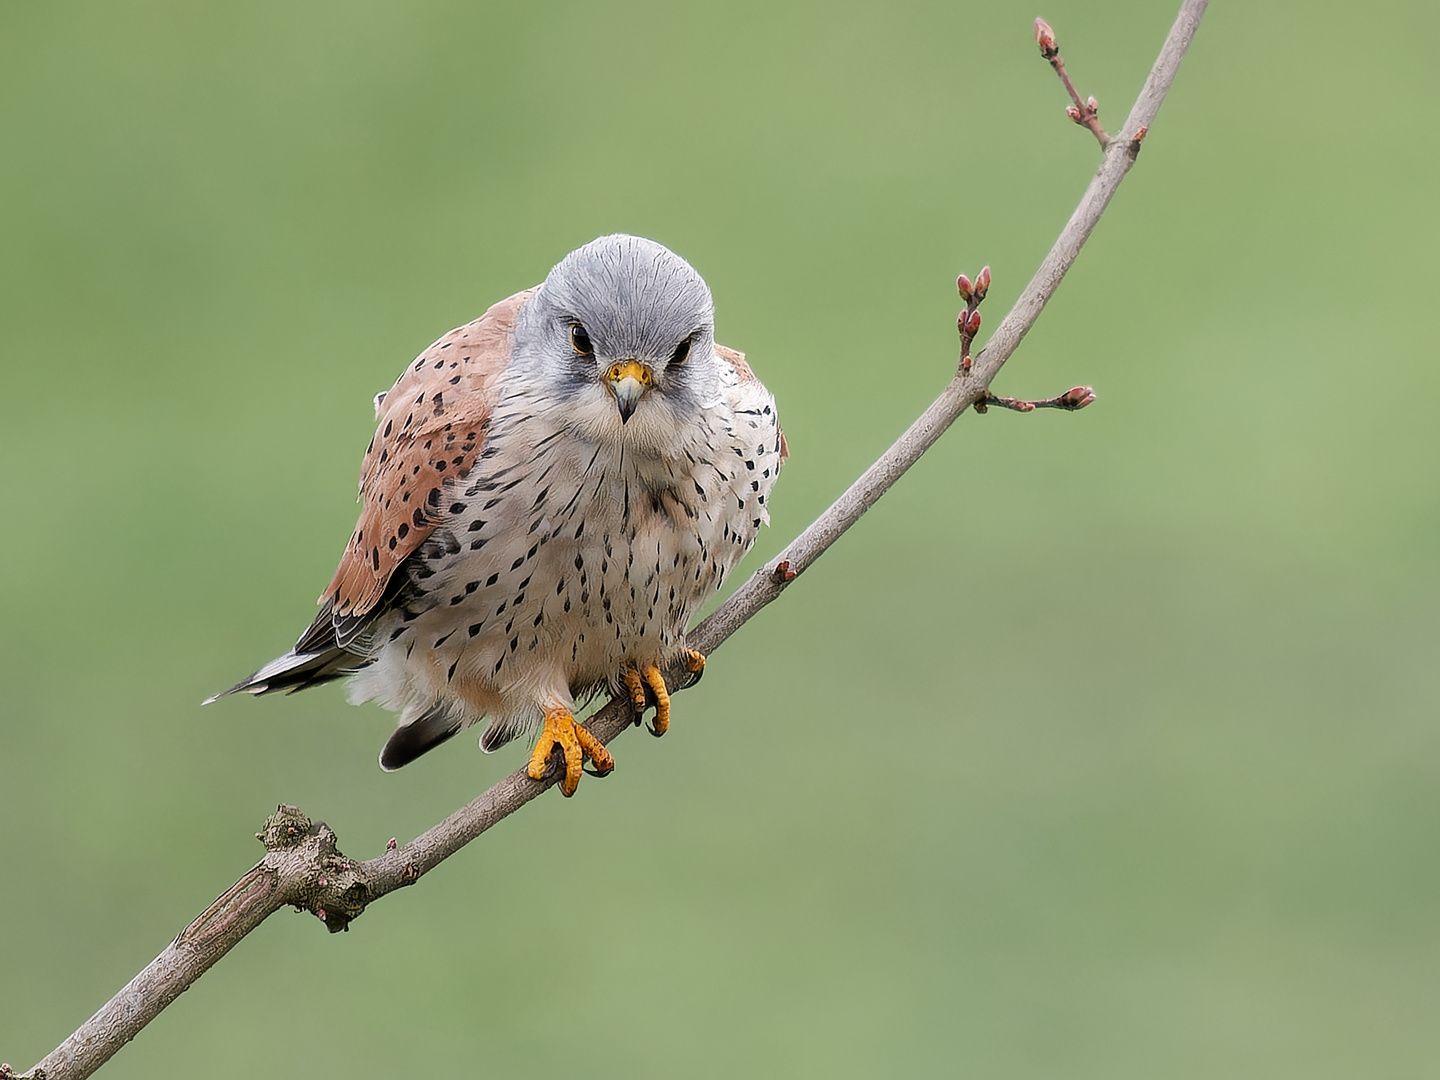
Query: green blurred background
column 1105, row 746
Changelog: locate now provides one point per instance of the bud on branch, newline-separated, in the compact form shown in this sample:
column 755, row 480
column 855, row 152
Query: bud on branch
column 968, row 321
column 1045, row 38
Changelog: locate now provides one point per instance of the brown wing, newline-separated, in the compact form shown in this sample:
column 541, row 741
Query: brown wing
column 431, row 428
column 736, row 360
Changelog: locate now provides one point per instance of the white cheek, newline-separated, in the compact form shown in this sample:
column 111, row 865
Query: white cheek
column 594, row 415
column 653, row 428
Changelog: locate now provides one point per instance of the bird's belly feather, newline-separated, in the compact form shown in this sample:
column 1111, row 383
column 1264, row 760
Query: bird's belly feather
column 522, row 598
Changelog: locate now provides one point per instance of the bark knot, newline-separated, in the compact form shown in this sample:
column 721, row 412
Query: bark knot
column 317, row 877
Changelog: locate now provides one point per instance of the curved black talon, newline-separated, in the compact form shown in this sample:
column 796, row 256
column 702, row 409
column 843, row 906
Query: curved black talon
column 555, row 764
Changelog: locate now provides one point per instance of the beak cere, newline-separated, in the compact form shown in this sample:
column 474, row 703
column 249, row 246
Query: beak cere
column 628, row 381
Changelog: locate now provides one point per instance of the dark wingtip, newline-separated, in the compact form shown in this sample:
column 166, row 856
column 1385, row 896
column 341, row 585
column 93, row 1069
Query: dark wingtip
column 411, row 740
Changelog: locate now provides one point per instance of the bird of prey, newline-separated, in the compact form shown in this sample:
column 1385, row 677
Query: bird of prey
column 553, row 490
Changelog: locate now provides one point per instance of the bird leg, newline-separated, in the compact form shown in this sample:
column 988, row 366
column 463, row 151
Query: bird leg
column 576, row 744
column 638, row 680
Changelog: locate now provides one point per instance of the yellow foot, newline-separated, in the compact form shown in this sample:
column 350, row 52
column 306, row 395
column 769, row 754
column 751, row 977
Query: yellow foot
column 653, row 679
column 577, row 745
column 636, row 686
column 645, row 682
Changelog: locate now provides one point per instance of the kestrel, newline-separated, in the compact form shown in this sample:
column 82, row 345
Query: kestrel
column 552, row 492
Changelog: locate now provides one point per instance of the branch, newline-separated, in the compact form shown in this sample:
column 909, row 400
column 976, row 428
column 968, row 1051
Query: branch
column 302, row 866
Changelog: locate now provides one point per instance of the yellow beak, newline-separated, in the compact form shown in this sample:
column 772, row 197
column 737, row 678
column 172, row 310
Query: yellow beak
column 629, row 379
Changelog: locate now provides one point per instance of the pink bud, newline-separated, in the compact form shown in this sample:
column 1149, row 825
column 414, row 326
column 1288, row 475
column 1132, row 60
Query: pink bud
column 962, row 283
column 982, row 284
column 973, row 326
column 1092, row 105
column 1073, row 113
column 1045, row 38
column 960, row 322
column 1077, row 397
column 391, row 845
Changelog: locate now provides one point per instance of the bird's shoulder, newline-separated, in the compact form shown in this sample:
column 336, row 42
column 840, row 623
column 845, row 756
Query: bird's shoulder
column 750, row 392
column 431, row 427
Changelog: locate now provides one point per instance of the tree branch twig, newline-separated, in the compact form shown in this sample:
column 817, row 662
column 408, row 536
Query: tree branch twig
column 303, row 866
column 1085, row 113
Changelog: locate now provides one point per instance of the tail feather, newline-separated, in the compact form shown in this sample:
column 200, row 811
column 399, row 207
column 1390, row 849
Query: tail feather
column 296, row 671
column 320, row 656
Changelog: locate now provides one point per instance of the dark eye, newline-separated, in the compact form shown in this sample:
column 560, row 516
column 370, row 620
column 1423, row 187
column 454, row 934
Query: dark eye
column 581, row 340
column 681, row 353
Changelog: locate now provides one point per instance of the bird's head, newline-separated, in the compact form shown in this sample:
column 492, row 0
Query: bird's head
column 622, row 332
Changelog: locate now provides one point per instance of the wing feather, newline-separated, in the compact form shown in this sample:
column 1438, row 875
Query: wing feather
column 431, row 428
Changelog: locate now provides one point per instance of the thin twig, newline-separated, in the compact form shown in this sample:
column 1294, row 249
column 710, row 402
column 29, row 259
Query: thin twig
column 1077, row 397
column 302, row 866
column 1085, row 113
